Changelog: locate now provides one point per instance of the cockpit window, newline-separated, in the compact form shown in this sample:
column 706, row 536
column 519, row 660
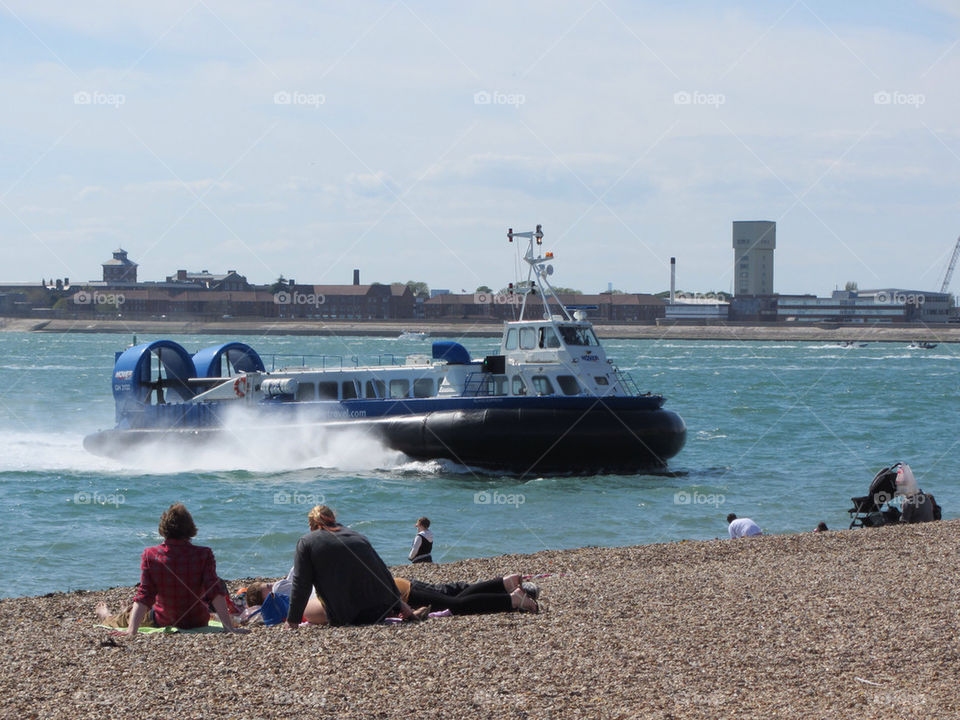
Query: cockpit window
column 528, row 338
column 574, row 335
column 548, row 338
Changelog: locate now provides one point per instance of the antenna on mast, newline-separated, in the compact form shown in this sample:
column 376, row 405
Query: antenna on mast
column 537, row 275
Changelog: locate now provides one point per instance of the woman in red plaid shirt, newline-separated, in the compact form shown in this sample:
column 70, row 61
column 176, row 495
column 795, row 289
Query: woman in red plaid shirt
column 178, row 581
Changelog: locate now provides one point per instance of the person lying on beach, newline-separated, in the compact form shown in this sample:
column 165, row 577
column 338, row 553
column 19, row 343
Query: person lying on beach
column 347, row 573
column 502, row 594
column 178, row 582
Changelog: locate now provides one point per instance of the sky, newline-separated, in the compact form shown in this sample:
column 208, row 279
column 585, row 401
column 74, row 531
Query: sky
column 403, row 138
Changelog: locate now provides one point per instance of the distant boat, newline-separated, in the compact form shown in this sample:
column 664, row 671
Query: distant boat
column 922, row 345
column 851, row 344
column 407, row 335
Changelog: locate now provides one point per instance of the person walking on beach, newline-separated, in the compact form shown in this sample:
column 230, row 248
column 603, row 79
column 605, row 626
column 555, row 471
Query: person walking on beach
column 350, row 578
column 742, row 527
column 178, row 582
column 422, row 543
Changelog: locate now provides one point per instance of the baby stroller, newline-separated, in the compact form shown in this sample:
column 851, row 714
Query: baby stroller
column 869, row 511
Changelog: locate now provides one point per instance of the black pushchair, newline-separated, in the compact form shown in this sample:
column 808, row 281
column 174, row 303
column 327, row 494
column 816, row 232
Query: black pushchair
column 874, row 509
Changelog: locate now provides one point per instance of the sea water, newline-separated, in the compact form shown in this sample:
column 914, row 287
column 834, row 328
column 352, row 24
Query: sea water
column 784, row 433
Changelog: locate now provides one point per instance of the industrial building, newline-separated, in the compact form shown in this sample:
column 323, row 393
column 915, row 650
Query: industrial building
column 753, row 244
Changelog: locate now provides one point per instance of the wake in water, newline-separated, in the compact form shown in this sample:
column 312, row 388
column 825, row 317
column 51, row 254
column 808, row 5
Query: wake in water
column 246, row 443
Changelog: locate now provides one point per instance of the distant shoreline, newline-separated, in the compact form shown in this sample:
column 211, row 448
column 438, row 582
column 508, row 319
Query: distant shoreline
column 460, row 329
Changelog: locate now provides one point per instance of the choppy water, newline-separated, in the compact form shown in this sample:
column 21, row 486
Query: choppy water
column 784, row 433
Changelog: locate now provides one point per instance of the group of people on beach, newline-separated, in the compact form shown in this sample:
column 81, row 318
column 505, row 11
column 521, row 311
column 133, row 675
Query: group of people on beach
column 337, row 579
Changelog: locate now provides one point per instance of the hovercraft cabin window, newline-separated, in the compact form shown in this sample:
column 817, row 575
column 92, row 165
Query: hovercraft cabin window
column 399, row 388
column 541, row 383
column 423, row 387
column 511, row 339
column 568, row 384
column 306, row 391
column 573, row 335
column 548, row 338
column 375, row 389
column 349, row 390
column 327, row 391
column 517, row 385
column 528, row 338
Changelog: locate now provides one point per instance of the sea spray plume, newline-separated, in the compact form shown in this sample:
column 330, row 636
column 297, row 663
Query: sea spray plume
column 254, row 440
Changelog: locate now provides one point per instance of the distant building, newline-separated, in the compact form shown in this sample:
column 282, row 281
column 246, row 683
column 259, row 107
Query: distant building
column 753, row 244
column 867, row 306
column 231, row 281
column 120, row 268
column 697, row 309
column 352, row 302
column 621, row 307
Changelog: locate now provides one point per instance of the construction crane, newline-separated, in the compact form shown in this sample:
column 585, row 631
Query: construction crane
column 950, row 267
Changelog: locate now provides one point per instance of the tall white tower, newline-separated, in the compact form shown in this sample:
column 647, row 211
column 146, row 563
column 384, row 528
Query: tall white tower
column 753, row 244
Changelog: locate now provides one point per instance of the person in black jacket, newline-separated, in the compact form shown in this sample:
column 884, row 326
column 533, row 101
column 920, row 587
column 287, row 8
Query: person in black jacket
column 349, row 577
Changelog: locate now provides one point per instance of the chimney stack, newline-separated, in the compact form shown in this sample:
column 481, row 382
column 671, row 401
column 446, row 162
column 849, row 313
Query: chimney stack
column 356, row 276
column 673, row 280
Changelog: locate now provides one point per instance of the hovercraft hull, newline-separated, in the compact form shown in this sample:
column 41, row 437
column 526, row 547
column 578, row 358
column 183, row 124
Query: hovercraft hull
column 521, row 440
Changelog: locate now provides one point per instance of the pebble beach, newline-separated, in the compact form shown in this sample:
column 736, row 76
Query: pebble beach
column 849, row 624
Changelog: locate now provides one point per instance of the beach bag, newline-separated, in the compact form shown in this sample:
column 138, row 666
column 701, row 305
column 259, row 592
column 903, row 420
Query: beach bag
column 937, row 511
column 274, row 609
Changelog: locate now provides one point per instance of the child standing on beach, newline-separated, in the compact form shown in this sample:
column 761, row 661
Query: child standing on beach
column 422, row 543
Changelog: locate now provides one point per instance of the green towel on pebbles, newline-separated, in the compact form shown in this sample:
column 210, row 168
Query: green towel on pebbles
column 215, row 626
